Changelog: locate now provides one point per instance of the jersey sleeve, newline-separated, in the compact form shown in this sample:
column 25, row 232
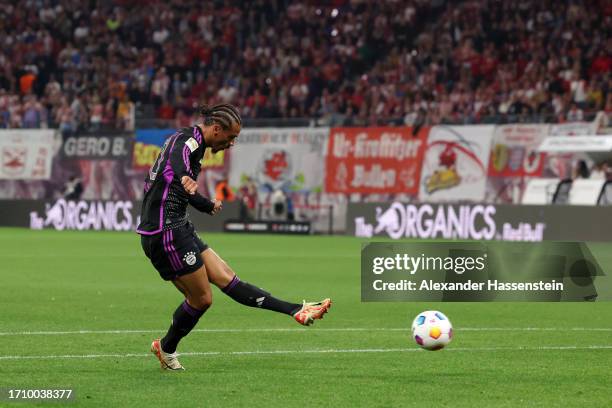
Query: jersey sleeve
column 201, row 203
column 180, row 155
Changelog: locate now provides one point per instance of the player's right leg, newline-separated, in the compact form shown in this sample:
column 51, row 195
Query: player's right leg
column 177, row 259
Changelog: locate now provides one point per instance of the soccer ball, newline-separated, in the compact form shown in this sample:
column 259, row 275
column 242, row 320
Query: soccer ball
column 432, row 330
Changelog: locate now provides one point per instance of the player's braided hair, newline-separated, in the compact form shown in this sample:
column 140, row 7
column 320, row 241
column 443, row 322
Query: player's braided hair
column 223, row 114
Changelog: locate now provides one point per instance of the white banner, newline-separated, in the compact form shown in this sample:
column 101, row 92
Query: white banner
column 26, row 153
column 280, row 158
column 455, row 163
column 574, row 129
column 573, row 144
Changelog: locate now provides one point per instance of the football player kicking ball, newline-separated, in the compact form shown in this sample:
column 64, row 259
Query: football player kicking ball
column 169, row 240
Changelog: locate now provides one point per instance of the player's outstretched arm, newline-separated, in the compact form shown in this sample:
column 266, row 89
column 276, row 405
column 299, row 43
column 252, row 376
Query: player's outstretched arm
column 205, row 205
column 198, row 201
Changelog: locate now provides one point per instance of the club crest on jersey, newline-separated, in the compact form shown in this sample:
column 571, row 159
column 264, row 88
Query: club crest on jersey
column 190, row 258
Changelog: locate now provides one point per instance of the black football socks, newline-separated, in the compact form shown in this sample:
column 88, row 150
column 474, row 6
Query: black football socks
column 184, row 319
column 249, row 295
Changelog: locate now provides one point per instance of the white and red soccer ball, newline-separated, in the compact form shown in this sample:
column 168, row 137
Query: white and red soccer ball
column 432, row 330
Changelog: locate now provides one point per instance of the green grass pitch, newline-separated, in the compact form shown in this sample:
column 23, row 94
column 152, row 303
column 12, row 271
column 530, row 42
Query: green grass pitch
column 54, row 284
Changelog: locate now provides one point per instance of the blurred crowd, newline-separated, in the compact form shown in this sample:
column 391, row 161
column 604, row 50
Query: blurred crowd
column 348, row 61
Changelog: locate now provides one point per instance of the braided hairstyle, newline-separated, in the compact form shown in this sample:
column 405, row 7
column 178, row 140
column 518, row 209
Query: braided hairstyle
column 222, row 114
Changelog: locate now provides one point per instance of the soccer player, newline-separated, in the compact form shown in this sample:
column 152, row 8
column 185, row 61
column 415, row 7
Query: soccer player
column 169, row 240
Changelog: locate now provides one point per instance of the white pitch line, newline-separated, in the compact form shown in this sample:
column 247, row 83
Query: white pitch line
column 302, row 330
column 289, row 352
column 254, row 330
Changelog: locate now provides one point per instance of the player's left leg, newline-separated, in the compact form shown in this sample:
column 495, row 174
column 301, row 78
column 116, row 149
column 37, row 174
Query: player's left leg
column 222, row 276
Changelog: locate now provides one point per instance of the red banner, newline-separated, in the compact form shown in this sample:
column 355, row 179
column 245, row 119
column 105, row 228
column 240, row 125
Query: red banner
column 375, row 160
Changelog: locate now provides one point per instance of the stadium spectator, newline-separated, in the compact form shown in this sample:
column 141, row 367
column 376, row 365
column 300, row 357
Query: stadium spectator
column 125, row 113
column 248, row 197
column 223, row 191
column 575, row 114
column 26, row 82
column 600, row 170
column 96, row 111
column 65, row 118
column 581, row 170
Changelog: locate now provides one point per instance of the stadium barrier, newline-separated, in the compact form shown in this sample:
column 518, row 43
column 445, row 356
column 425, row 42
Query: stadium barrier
column 108, row 215
column 544, row 191
column 479, row 222
column 540, row 191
